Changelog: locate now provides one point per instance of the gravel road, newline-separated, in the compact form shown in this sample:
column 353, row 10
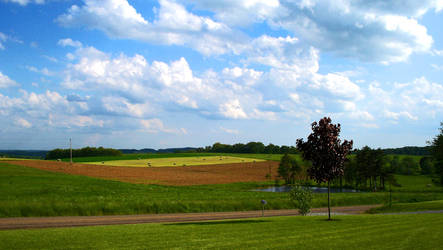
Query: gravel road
column 73, row 221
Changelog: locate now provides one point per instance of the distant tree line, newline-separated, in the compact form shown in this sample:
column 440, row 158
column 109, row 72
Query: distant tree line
column 250, row 147
column 31, row 154
column 82, row 152
column 370, row 168
column 408, row 151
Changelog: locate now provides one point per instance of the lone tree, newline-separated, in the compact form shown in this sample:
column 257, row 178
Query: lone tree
column 326, row 152
column 288, row 169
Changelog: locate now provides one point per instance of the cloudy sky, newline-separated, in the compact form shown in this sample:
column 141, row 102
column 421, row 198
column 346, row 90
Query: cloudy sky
column 173, row 73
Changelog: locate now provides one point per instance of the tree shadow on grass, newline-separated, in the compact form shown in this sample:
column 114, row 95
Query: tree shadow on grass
column 216, row 222
column 330, row 220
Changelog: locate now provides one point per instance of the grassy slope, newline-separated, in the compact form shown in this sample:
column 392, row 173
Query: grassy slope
column 178, row 161
column 411, row 183
column 345, row 232
column 410, row 207
column 268, row 157
column 32, row 192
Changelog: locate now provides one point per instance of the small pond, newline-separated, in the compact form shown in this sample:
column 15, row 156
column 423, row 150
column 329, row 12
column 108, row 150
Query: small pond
column 313, row 189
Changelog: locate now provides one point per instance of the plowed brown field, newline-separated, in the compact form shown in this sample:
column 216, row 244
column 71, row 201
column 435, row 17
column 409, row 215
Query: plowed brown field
column 180, row 176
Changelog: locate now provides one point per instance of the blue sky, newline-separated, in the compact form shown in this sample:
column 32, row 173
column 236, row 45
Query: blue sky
column 157, row 74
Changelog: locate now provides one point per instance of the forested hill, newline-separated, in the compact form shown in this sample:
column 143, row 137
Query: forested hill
column 38, row 154
column 150, row 150
column 408, row 150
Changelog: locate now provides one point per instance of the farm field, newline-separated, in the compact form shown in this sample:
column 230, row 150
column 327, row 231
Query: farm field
column 178, row 161
column 421, row 231
column 189, row 175
column 12, row 159
column 65, row 191
column 267, row 157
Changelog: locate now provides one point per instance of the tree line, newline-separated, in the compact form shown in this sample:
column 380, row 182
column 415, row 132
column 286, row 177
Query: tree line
column 366, row 169
column 250, row 147
column 82, row 152
column 408, row 150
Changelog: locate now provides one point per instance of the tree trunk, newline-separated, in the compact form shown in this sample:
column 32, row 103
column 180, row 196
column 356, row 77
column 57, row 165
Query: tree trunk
column 329, row 203
column 341, row 183
column 390, row 195
column 375, row 183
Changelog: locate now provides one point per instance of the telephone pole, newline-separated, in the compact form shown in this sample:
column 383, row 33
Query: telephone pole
column 70, row 149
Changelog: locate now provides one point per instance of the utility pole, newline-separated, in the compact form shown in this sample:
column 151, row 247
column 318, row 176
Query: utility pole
column 70, row 149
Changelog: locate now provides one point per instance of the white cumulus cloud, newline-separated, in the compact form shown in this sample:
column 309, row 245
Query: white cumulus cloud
column 6, row 82
column 173, row 25
column 69, row 42
column 23, row 123
column 25, row 2
column 156, row 125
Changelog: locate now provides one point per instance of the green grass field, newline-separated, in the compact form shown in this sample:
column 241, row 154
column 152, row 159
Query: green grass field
column 267, row 157
column 410, row 207
column 422, row 231
column 411, row 183
column 177, row 161
column 12, row 159
column 33, row 192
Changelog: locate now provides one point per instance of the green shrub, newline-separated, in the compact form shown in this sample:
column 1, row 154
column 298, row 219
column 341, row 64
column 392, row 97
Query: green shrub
column 302, row 198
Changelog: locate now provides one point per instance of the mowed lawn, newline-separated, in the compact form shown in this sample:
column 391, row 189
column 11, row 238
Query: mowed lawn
column 410, row 207
column 421, row 231
column 177, row 161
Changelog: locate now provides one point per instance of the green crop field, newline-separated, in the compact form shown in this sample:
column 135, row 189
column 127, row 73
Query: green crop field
column 12, row 159
column 177, row 161
column 267, row 157
column 32, row 192
column 420, row 231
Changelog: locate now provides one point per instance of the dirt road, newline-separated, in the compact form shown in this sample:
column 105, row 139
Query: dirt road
column 72, row 221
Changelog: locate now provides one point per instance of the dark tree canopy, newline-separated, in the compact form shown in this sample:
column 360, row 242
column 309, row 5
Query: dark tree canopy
column 82, row 152
column 249, row 148
column 437, row 152
column 288, row 169
column 325, row 150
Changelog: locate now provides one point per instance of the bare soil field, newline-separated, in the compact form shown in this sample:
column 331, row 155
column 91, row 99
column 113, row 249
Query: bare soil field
column 180, row 176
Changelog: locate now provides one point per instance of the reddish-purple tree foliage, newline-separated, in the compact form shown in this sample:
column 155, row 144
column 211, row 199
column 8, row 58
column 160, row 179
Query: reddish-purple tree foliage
column 326, row 152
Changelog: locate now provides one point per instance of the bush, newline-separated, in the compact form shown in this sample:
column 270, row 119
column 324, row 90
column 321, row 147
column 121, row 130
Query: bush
column 409, row 166
column 302, row 198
